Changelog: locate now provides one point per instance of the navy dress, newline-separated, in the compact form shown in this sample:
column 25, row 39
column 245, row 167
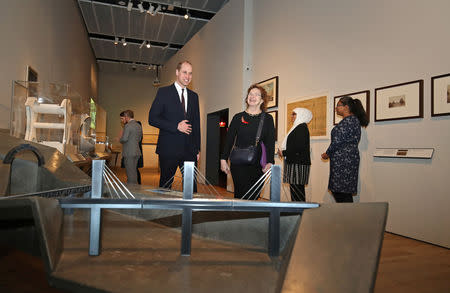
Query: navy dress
column 344, row 156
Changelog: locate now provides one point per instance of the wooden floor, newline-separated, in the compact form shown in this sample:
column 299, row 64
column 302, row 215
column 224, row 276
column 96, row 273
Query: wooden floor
column 406, row 265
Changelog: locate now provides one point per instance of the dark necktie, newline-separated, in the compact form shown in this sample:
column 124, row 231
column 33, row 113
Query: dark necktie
column 183, row 103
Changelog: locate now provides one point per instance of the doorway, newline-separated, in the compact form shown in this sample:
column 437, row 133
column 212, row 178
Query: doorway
column 216, row 132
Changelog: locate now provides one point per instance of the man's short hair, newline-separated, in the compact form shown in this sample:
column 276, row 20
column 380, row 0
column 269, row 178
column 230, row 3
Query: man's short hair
column 127, row 113
column 181, row 63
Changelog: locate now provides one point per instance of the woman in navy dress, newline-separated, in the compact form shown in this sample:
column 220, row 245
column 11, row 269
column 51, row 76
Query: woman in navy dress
column 343, row 151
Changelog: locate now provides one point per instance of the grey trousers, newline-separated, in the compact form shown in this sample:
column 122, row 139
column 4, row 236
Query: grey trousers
column 131, row 169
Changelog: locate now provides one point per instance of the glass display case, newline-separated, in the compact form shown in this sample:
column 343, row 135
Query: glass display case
column 52, row 114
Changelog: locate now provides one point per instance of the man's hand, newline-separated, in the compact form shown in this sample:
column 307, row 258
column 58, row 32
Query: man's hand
column 184, row 127
column 198, row 156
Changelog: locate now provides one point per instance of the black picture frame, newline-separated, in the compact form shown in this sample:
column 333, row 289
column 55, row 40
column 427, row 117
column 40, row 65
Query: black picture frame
column 271, row 87
column 440, row 95
column 399, row 101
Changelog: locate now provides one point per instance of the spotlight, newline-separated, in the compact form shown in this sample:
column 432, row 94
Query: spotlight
column 116, row 40
column 186, row 16
column 148, row 45
column 130, row 5
column 150, row 9
column 141, row 8
column 142, row 45
column 124, row 42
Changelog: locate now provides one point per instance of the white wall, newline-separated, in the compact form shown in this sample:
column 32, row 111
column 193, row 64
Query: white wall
column 128, row 91
column 48, row 35
column 337, row 47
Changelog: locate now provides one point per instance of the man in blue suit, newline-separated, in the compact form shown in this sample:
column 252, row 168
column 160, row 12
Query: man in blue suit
column 175, row 112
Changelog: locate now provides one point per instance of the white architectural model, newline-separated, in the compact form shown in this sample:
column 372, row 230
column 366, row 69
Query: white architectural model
column 34, row 109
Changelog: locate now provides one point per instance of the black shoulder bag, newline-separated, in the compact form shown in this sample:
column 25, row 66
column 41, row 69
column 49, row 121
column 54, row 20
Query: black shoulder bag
column 248, row 155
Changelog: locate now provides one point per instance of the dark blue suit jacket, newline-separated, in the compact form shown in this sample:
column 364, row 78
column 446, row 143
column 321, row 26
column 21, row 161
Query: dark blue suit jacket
column 165, row 113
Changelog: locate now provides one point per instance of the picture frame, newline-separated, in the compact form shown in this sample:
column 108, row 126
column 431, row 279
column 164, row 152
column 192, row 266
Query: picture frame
column 32, row 75
column 318, row 105
column 440, row 95
column 271, row 87
column 274, row 114
column 399, row 101
column 363, row 96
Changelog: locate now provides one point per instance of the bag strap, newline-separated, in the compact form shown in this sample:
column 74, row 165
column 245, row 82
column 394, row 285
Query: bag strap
column 258, row 133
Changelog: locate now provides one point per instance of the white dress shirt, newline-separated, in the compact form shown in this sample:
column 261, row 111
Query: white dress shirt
column 179, row 87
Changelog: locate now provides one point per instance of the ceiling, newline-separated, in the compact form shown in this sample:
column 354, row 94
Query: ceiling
column 162, row 23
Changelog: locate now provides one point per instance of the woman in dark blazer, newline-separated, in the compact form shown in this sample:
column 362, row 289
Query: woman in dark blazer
column 295, row 149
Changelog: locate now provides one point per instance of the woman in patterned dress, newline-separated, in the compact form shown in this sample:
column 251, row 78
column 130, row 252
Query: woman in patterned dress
column 295, row 150
column 343, row 151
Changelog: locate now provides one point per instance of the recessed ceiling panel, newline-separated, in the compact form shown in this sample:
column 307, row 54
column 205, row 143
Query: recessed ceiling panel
column 104, row 18
column 168, row 26
column 152, row 26
column 198, row 4
column 137, row 25
column 88, row 15
column 99, row 47
column 120, row 19
column 183, row 28
column 215, row 5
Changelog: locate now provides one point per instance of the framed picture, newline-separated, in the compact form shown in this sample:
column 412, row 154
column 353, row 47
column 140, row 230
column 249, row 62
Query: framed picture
column 363, row 96
column 440, row 95
column 274, row 115
column 399, row 101
column 319, row 108
column 271, row 87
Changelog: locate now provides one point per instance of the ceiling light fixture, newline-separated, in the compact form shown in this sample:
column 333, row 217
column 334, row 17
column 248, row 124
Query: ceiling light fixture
column 150, row 9
column 142, row 45
column 158, row 9
column 130, row 5
column 186, row 16
column 148, row 45
column 141, row 8
column 124, row 42
column 116, row 40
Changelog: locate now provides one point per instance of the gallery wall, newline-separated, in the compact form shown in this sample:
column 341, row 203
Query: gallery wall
column 49, row 36
column 333, row 48
column 323, row 50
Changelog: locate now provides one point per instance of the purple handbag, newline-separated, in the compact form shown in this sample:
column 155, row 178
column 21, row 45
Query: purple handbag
column 263, row 160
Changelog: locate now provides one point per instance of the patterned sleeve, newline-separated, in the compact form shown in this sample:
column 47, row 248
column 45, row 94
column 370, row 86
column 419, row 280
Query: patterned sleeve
column 344, row 133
